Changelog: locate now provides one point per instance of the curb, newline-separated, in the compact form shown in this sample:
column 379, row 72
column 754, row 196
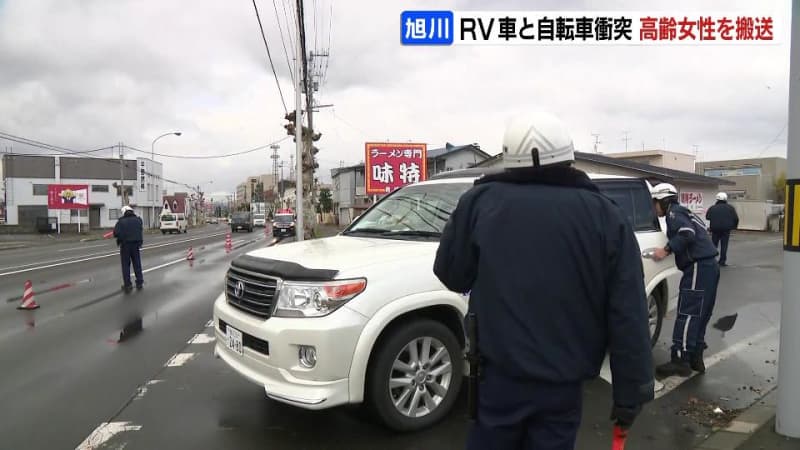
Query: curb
column 744, row 425
column 12, row 247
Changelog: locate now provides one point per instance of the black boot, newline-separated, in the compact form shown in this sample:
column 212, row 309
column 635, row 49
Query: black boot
column 696, row 361
column 676, row 366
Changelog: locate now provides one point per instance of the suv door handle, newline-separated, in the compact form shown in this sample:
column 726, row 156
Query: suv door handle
column 648, row 253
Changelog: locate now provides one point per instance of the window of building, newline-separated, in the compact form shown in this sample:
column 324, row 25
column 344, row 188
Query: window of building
column 99, row 188
column 39, row 189
column 113, row 214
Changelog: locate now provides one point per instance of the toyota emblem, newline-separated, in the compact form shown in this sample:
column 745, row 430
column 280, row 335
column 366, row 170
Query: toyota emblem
column 239, row 291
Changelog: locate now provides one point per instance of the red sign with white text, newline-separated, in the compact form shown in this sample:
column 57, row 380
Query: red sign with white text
column 68, row 196
column 393, row 165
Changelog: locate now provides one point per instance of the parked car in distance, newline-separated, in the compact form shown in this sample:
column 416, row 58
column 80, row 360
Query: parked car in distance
column 360, row 318
column 242, row 220
column 173, row 223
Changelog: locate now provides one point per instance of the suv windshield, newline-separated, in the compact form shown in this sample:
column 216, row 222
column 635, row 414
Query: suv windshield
column 284, row 219
column 241, row 216
column 421, row 210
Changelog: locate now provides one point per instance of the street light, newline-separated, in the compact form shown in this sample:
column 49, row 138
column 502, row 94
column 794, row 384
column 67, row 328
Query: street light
column 153, row 160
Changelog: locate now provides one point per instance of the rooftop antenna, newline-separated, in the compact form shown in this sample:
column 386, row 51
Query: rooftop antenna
column 626, row 139
column 596, row 141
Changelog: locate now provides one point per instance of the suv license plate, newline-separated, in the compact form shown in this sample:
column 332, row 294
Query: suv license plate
column 234, row 340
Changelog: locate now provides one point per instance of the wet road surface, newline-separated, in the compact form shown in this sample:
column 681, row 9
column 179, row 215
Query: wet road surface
column 158, row 385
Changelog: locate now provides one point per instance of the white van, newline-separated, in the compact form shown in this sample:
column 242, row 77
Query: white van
column 326, row 322
column 173, row 223
column 259, row 220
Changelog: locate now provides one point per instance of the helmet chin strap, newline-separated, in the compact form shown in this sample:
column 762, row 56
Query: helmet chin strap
column 535, row 156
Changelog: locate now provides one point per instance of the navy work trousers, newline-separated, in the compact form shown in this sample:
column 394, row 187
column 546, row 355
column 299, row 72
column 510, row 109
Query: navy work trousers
column 721, row 238
column 129, row 253
column 525, row 414
column 698, row 294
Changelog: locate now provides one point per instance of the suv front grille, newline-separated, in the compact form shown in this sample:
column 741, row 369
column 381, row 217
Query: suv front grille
column 257, row 294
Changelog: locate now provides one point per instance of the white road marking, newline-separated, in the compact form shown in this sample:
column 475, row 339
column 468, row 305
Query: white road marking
column 151, row 382
column 670, row 383
column 201, row 338
column 210, row 323
column 82, row 248
column 104, row 432
column 90, row 257
column 179, row 359
column 163, row 265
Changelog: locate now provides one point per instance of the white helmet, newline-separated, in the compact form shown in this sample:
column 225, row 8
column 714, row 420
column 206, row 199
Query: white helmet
column 126, row 208
column 663, row 190
column 536, row 139
column 722, row 196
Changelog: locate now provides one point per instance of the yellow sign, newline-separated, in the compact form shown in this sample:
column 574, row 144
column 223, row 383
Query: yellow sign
column 791, row 228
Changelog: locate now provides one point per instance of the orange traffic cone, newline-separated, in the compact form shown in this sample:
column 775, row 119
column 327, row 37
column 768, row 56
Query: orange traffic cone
column 27, row 297
column 190, row 255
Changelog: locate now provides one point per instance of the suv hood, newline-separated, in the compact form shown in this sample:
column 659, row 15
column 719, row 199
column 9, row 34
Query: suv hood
column 345, row 253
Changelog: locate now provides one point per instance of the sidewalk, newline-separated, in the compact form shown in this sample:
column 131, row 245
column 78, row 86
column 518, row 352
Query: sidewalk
column 754, row 429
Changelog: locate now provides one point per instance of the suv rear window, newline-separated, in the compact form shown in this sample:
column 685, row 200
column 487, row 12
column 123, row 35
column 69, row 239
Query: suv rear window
column 167, row 218
column 634, row 199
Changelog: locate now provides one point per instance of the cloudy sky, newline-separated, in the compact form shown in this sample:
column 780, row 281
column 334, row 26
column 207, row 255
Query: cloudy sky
column 83, row 74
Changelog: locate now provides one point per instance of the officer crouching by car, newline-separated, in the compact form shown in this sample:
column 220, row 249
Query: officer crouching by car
column 556, row 280
column 695, row 256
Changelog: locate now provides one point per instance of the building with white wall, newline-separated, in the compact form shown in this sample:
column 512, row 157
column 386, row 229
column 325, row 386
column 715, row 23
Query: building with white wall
column 26, row 179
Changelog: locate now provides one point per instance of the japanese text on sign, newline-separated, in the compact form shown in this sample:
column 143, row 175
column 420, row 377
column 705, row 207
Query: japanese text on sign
column 390, row 166
column 598, row 28
column 693, row 201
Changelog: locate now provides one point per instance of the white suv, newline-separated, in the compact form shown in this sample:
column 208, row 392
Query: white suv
column 361, row 318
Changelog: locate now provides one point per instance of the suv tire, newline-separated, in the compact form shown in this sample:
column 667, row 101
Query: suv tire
column 396, row 348
column 656, row 309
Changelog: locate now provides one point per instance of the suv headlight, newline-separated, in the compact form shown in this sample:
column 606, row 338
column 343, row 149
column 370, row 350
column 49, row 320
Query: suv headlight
column 312, row 299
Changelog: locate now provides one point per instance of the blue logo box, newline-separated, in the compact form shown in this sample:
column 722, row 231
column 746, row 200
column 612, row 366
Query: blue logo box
column 427, row 27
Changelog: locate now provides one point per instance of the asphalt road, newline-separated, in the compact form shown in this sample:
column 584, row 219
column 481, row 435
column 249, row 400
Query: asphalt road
column 99, row 369
column 68, row 365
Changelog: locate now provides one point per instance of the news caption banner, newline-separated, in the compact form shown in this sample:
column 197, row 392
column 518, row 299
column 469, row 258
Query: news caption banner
column 589, row 28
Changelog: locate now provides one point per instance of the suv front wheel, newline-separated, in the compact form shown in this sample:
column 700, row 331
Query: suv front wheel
column 656, row 309
column 415, row 376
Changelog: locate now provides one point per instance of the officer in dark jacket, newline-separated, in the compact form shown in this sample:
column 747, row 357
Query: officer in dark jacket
column 695, row 256
column 129, row 234
column 556, row 280
column 722, row 220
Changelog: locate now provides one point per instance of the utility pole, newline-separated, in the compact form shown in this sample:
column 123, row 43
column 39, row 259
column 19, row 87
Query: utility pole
column 275, row 158
column 626, row 139
column 298, row 129
column 596, row 141
column 291, row 167
column 787, row 421
column 121, row 182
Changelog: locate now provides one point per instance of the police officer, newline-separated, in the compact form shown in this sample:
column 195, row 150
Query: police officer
column 722, row 220
column 695, row 256
column 129, row 234
column 556, row 281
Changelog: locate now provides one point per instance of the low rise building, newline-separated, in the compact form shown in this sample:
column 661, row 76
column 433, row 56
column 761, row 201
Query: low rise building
column 26, row 179
column 754, row 179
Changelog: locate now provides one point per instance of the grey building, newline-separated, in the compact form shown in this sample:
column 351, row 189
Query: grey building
column 753, row 179
column 454, row 157
column 348, row 193
column 697, row 191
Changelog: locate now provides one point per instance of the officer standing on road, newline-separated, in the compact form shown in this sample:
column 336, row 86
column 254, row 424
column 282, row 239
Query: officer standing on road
column 129, row 234
column 695, row 256
column 722, row 219
column 556, row 280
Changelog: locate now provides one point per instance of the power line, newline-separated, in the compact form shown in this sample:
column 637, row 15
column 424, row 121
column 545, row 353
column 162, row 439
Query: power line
column 227, row 155
column 774, row 140
column 285, row 52
column 269, row 56
column 43, row 145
